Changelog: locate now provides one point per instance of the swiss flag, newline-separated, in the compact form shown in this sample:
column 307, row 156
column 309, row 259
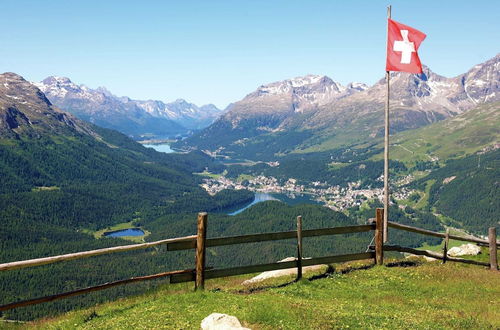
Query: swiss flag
column 402, row 46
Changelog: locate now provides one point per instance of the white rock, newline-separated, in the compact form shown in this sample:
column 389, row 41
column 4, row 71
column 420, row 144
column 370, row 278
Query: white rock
column 218, row 321
column 281, row 272
column 464, row 250
column 430, row 259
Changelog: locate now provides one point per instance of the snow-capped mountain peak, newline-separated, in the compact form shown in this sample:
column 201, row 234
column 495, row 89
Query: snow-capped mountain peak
column 101, row 106
column 357, row 86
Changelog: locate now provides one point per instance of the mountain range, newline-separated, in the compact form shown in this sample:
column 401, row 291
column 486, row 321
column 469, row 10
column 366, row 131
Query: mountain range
column 133, row 117
column 316, row 113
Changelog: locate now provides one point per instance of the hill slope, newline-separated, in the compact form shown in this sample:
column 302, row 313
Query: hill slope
column 380, row 297
column 456, row 137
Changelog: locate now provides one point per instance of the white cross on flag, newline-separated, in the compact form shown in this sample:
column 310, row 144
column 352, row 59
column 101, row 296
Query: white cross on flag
column 402, row 45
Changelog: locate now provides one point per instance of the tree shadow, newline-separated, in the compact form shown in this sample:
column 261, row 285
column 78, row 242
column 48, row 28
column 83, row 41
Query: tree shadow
column 330, row 271
column 404, row 263
column 263, row 288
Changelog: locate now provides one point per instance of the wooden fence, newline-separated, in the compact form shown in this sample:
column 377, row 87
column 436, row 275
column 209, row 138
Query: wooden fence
column 200, row 242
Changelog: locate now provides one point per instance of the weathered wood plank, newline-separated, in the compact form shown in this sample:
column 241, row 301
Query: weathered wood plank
column 91, row 253
column 492, row 237
column 299, row 247
column 446, row 242
column 436, row 234
column 215, row 273
column 201, row 251
column 253, row 238
column 432, row 255
column 91, row 289
column 415, row 229
column 379, row 237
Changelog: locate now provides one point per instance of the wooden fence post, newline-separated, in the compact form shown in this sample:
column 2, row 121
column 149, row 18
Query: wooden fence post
column 299, row 247
column 446, row 242
column 200, row 251
column 379, row 237
column 492, row 237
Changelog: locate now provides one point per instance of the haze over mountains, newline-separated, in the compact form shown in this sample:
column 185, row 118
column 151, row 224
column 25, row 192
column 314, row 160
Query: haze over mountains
column 133, row 117
column 315, row 111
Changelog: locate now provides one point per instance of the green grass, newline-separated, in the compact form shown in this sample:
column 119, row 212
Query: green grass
column 426, row 296
column 243, row 177
column 43, row 188
column 424, row 197
column 208, row 175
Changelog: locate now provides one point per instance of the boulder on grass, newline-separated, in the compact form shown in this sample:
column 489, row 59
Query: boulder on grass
column 464, row 250
column 218, row 321
column 282, row 272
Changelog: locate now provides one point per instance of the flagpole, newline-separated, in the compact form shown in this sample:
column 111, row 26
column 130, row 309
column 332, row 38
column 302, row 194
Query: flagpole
column 386, row 148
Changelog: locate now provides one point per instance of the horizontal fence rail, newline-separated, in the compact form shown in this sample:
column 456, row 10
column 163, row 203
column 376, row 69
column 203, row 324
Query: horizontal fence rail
column 253, row 238
column 91, row 289
column 216, row 273
column 436, row 234
column 432, row 254
column 86, row 254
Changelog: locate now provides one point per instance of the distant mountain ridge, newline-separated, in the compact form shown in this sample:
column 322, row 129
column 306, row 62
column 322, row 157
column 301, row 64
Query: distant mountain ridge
column 182, row 112
column 320, row 113
column 132, row 117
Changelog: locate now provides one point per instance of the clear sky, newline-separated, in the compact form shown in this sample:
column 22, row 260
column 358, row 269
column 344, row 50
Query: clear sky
column 218, row 51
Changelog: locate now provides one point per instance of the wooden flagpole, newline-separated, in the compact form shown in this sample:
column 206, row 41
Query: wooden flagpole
column 386, row 147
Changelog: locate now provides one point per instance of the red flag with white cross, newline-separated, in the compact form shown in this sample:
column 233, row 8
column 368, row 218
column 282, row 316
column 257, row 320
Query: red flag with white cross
column 402, row 46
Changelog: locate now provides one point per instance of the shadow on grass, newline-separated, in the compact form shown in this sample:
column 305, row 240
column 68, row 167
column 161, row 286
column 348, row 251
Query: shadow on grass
column 332, row 271
column 263, row 288
column 404, row 263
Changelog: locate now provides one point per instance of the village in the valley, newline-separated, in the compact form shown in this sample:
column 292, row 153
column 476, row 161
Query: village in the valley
column 335, row 197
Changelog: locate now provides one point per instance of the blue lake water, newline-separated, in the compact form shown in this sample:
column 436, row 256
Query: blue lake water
column 125, row 232
column 289, row 199
column 160, row 147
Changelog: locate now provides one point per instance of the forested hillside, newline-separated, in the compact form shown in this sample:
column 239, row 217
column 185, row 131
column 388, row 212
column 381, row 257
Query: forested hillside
column 467, row 190
column 63, row 178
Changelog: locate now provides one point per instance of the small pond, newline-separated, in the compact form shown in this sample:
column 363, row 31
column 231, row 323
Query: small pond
column 125, row 232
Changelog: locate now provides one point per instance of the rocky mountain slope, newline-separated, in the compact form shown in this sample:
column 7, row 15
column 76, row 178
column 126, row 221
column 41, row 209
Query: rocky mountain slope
column 132, row 117
column 325, row 114
column 25, row 111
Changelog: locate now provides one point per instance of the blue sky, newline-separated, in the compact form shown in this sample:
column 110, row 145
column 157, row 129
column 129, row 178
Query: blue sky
column 219, row 51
